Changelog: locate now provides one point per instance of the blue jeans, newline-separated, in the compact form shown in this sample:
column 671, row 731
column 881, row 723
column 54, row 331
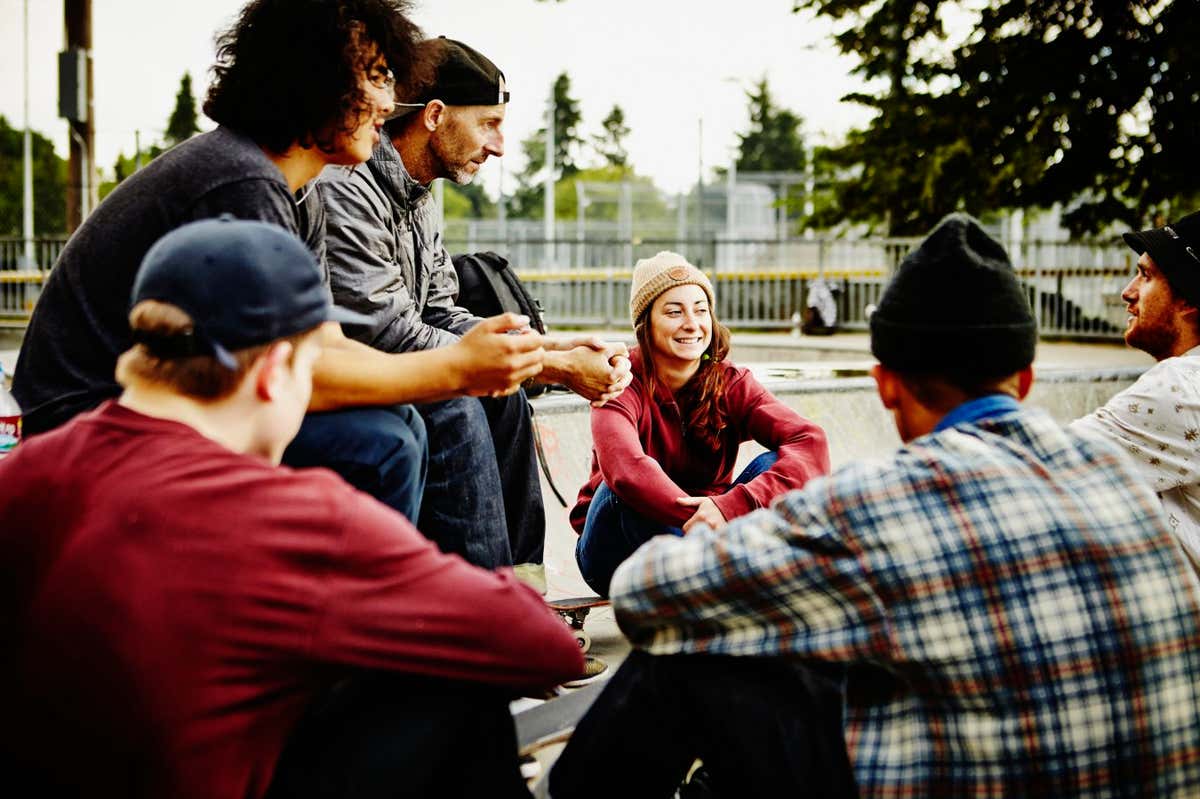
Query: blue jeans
column 381, row 451
column 613, row 530
column 483, row 499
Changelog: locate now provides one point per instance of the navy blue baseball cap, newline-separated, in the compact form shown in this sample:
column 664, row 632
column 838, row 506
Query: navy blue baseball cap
column 243, row 283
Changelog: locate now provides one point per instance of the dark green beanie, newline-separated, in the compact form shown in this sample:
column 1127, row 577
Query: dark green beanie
column 955, row 307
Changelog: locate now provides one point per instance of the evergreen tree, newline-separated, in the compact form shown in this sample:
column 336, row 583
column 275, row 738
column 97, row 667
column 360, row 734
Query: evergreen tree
column 610, row 145
column 49, row 183
column 527, row 199
column 182, row 124
column 1089, row 104
column 773, row 143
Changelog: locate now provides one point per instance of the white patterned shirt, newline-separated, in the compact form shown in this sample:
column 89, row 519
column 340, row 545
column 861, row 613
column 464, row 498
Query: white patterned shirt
column 1156, row 421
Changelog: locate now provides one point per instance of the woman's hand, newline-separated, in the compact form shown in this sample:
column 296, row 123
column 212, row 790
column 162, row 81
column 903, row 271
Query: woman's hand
column 706, row 512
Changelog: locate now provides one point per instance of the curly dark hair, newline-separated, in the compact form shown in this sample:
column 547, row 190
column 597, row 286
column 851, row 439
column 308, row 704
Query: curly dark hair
column 289, row 71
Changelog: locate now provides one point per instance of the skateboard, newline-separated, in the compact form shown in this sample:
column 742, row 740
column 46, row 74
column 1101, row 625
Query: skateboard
column 553, row 721
column 574, row 611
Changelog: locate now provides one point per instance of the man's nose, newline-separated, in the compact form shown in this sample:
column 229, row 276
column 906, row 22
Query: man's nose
column 385, row 101
column 1129, row 293
column 496, row 145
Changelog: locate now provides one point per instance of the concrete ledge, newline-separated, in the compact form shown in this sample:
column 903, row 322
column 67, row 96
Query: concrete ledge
column 847, row 408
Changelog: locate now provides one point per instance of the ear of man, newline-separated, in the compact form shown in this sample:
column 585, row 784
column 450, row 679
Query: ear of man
column 1024, row 382
column 433, row 115
column 887, row 383
column 271, row 371
column 918, row 402
column 1188, row 324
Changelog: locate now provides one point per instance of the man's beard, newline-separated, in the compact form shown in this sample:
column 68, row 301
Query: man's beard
column 460, row 174
column 1157, row 340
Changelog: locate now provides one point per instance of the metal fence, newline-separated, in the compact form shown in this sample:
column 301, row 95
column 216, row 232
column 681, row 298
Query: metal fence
column 1074, row 288
column 751, row 300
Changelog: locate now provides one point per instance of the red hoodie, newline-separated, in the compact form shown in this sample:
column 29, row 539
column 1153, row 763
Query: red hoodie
column 169, row 607
column 641, row 452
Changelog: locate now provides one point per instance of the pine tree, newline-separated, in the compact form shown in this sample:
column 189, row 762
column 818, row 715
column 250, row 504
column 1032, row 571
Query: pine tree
column 182, row 124
column 527, row 199
column 610, row 145
column 1089, row 104
column 774, row 142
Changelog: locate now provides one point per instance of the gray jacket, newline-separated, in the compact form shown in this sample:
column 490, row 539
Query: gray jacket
column 386, row 257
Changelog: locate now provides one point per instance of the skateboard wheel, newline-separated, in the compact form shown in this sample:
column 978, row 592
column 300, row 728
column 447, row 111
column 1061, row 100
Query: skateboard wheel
column 583, row 639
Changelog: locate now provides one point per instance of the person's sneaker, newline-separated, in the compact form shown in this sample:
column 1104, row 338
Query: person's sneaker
column 592, row 668
column 698, row 786
column 531, row 769
column 533, row 575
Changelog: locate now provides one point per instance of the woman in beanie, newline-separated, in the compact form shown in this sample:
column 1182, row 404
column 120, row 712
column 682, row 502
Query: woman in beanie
column 664, row 450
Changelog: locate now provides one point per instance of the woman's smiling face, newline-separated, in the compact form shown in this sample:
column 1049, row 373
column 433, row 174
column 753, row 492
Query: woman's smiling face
column 680, row 324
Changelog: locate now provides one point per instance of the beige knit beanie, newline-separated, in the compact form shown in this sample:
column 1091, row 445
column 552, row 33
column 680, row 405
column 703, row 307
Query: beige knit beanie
column 653, row 276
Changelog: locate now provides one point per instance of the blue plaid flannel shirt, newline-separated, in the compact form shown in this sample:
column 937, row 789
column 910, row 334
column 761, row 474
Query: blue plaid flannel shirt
column 1013, row 616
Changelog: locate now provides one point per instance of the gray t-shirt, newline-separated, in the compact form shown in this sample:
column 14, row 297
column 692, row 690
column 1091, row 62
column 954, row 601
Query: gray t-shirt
column 80, row 324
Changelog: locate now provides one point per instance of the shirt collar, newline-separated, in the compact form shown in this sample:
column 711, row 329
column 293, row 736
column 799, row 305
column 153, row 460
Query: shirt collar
column 978, row 409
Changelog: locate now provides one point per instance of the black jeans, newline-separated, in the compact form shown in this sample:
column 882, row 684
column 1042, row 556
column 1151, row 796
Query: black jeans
column 382, row 735
column 764, row 727
column 483, row 496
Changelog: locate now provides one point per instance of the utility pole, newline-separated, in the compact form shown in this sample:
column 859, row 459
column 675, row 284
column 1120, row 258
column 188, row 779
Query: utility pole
column 81, row 184
column 502, row 206
column 27, row 175
column 550, row 175
column 700, row 189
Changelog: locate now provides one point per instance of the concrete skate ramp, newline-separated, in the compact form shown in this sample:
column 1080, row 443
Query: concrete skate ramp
column 839, row 397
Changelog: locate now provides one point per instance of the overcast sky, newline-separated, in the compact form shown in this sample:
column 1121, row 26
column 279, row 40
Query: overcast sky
column 667, row 63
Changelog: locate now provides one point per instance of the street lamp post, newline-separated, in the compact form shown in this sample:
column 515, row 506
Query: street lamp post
column 548, row 207
column 27, row 176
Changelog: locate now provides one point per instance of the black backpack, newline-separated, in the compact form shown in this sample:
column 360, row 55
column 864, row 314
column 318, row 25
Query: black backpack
column 487, row 287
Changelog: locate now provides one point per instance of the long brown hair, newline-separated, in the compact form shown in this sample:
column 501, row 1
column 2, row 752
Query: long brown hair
column 702, row 398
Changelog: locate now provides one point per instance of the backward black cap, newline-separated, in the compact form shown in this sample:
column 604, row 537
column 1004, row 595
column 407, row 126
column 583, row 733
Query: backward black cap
column 464, row 76
column 1175, row 249
column 955, row 306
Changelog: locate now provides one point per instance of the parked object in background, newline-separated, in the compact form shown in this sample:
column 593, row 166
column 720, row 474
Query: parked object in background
column 820, row 308
column 10, row 417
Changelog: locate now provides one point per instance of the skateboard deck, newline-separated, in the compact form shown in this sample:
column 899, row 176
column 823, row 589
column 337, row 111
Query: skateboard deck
column 553, row 721
column 574, row 611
